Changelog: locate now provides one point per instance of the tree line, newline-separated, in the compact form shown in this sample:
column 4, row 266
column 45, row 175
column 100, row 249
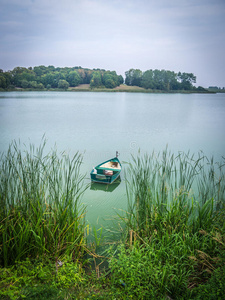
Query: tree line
column 42, row 77
column 161, row 80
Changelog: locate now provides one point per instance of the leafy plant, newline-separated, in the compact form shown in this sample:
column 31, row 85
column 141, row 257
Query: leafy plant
column 39, row 278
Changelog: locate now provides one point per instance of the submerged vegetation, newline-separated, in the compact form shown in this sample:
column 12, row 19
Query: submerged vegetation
column 172, row 243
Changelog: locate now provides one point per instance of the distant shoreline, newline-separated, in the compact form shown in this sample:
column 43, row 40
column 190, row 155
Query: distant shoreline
column 121, row 88
column 134, row 89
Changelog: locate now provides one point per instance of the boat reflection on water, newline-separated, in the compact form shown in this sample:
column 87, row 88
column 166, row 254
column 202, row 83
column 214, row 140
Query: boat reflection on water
column 105, row 187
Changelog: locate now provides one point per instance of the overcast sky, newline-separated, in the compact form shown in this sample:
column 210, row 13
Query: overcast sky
column 176, row 35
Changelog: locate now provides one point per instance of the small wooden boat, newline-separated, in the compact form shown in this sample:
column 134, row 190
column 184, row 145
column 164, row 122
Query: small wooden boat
column 107, row 172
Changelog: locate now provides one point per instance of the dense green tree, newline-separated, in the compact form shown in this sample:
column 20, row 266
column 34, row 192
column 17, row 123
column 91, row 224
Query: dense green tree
column 47, row 79
column 52, row 78
column 8, row 78
column 40, row 86
column 51, row 68
column 40, row 70
column 33, row 84
column 147, row 80
column 63, row 84
column 168, row 80
column 133, row 77
column 174, row 84
column 120, row 79
column 110, row 79
column 28, row 75
column 88, row 75
column 110, row 84
column 25, row 84
column 3, row 84
column 186, row 80
column 158, row 80
column 18, row 74
column 73, row 78
column 96, row 80
column 82, row 74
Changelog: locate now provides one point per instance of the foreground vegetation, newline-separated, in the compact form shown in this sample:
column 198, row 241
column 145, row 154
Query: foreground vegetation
column 39, row 205
column 175, row 226
column 172, row 243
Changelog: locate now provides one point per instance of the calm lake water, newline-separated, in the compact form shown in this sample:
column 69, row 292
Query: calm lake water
column 99, row 124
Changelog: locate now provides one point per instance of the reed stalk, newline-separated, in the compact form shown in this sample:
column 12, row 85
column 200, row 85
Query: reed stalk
column 168, row 192
column 40, row 205
column 174, row 226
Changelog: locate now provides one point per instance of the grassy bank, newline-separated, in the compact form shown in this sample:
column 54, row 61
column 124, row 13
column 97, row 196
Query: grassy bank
column 121, row 88
column 172, row 243
column 133, row 89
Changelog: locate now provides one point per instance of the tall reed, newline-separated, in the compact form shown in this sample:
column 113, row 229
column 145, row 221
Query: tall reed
column 40, row 208
column 174, row 226
column 173, row 191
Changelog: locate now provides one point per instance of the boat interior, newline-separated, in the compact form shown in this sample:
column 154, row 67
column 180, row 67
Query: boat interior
column 102, row 172
column 111, row 165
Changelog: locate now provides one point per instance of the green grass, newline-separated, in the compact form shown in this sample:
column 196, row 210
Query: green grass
column 44, row 279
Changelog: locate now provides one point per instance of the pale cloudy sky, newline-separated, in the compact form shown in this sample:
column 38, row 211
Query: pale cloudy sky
column 176, row 35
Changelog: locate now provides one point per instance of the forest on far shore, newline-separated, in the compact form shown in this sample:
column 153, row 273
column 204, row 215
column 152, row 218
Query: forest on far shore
column 42, row 78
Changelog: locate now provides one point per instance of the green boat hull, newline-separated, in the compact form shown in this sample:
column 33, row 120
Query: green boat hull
column 106, row 172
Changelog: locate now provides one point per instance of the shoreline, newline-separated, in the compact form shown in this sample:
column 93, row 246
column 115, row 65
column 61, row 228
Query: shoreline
column 120, row 89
